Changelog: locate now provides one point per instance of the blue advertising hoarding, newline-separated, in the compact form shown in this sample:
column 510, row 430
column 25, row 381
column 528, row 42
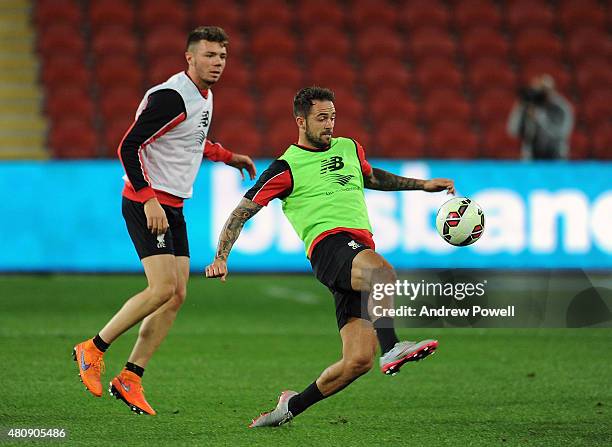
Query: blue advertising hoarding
column 66, row 216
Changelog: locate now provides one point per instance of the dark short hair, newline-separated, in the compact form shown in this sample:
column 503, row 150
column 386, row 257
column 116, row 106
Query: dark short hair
column 302, row 102
column 210, row 33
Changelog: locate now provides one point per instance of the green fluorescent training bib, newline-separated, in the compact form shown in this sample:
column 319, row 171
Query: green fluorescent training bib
column 327, row 190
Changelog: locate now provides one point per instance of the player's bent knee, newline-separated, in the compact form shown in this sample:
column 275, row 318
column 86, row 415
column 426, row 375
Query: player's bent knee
column 163, row 292
column 357, row 366
column 178, row 299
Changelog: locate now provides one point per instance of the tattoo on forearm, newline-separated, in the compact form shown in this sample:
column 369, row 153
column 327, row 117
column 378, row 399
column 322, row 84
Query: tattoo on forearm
column 386, row 181
column 232, row 228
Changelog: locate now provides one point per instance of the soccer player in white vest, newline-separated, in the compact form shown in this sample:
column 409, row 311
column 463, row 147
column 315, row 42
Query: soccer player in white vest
column 161, row 154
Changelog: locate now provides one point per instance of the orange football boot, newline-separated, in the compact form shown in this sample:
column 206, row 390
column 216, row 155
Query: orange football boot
column 127, row 386
column 91, row 365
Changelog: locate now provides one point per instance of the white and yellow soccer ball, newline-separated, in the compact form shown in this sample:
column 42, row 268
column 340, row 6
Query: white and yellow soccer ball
column 460, row 221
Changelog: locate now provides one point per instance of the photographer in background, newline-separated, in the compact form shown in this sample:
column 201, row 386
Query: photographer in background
column 543, row 120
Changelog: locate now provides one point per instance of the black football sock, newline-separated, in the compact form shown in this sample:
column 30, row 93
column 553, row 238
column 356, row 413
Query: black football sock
column 100, row 344
column 385, row 332
column 310, row 396
column 138, row 370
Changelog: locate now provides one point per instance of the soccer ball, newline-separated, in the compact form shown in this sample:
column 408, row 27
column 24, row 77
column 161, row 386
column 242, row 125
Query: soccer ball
column 460, row 221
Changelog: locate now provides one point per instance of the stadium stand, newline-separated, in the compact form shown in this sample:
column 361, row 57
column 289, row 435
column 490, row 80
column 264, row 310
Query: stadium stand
column 22, row 121
column 448, row 70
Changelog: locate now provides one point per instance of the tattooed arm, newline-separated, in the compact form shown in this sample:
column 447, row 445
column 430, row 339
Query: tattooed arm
column 229, row 234
column 386, row 181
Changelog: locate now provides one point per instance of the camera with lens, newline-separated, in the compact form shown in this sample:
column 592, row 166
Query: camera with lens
column 532, row 95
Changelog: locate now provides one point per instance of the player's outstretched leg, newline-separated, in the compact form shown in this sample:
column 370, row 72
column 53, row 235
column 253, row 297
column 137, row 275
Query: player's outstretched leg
column 370, row 269
column 161, row 275
column 152, row 332
column 358, row 350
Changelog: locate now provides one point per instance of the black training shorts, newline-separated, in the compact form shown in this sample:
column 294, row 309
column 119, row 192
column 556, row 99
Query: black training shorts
column 174, row 242
column 332, row 260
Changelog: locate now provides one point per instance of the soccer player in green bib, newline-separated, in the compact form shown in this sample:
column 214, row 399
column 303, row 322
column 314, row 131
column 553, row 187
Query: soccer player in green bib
column 321, row 182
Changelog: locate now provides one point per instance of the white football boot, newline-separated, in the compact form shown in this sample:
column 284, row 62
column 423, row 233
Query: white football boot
column 406, row 351
column 279, row 416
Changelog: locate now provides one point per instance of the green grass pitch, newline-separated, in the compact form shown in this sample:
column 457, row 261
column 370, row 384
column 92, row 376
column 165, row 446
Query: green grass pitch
column 236, row 345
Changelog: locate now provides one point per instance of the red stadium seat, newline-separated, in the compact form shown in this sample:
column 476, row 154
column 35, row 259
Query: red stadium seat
column 277, row 104
column 73, row 138
column 328, row 72
column 388, row 104
column 431, row 42
column 364, row 13
column 441, row 93
column 309, row 14
column 115, row 41
column 552, row 67
column 471, row 13
column 279, row 73
column 526, row 14
column 105, row 13
column 236, row 74
column 400, row 139
column 167, row 41
column 484, row 43
column 239, row 135
column 578, row 15
column 438, row 73
column 453, row 140
column 119, row 102
column 61, row 40
column 598, row 107
column 65, row 70
column 65, row 13
column 441, row 107
column 379, row 42
column 594, row 76
column 387, row 72
column 536, row 3
column 348, row 105
column 70, row 102
column 232, row 103
column 355, row 129
column 114, row 132
column 602, row 142
column 237, row 44
column 268, row 13
column 277, row 41
column 226, row 14
column 118, row 71
column 156, row 13
column 488, row 74
column 498, row 144
column 494, row 105
column 279, row 135
column 159, row 70
column 328, row 41
column 421, row 13
column 71, row 90
column 580, row 146
column 587, row 43
column 534, row 44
